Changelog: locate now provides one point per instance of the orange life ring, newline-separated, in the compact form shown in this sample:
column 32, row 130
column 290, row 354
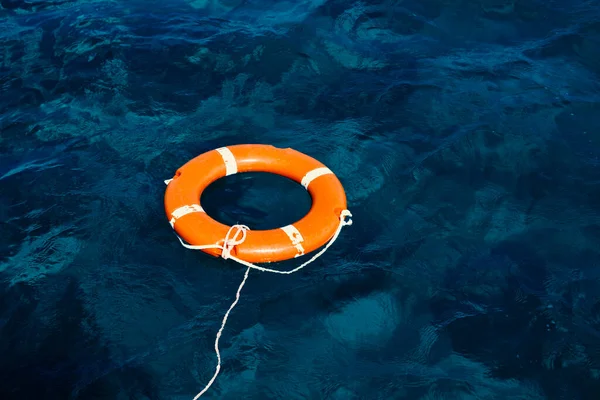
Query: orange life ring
column 315, row 229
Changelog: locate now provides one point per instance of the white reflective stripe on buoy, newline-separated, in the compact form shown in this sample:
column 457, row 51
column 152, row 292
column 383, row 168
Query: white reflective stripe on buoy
column 296, row 238
column 184, row 210
column 229, row 160
column 314, row 174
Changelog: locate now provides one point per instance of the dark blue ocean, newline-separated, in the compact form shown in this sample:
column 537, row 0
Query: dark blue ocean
column 466, row 134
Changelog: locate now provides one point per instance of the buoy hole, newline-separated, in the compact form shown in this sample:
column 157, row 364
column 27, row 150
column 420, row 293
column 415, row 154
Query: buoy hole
column 257, row 199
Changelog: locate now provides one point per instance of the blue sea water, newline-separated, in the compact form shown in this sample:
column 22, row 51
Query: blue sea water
column 466, row 134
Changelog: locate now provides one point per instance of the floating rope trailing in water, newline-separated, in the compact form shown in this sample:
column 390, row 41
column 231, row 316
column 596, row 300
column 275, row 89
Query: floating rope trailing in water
column 235, row 236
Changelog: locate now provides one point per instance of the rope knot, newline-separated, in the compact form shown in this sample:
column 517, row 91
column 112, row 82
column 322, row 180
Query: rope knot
column 343, row 215
column 231, row 241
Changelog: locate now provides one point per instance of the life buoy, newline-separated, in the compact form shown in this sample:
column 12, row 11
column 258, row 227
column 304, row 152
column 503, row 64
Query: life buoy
column 315, row 229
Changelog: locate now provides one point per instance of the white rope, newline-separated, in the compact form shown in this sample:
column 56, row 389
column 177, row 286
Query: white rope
column 228, row 244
